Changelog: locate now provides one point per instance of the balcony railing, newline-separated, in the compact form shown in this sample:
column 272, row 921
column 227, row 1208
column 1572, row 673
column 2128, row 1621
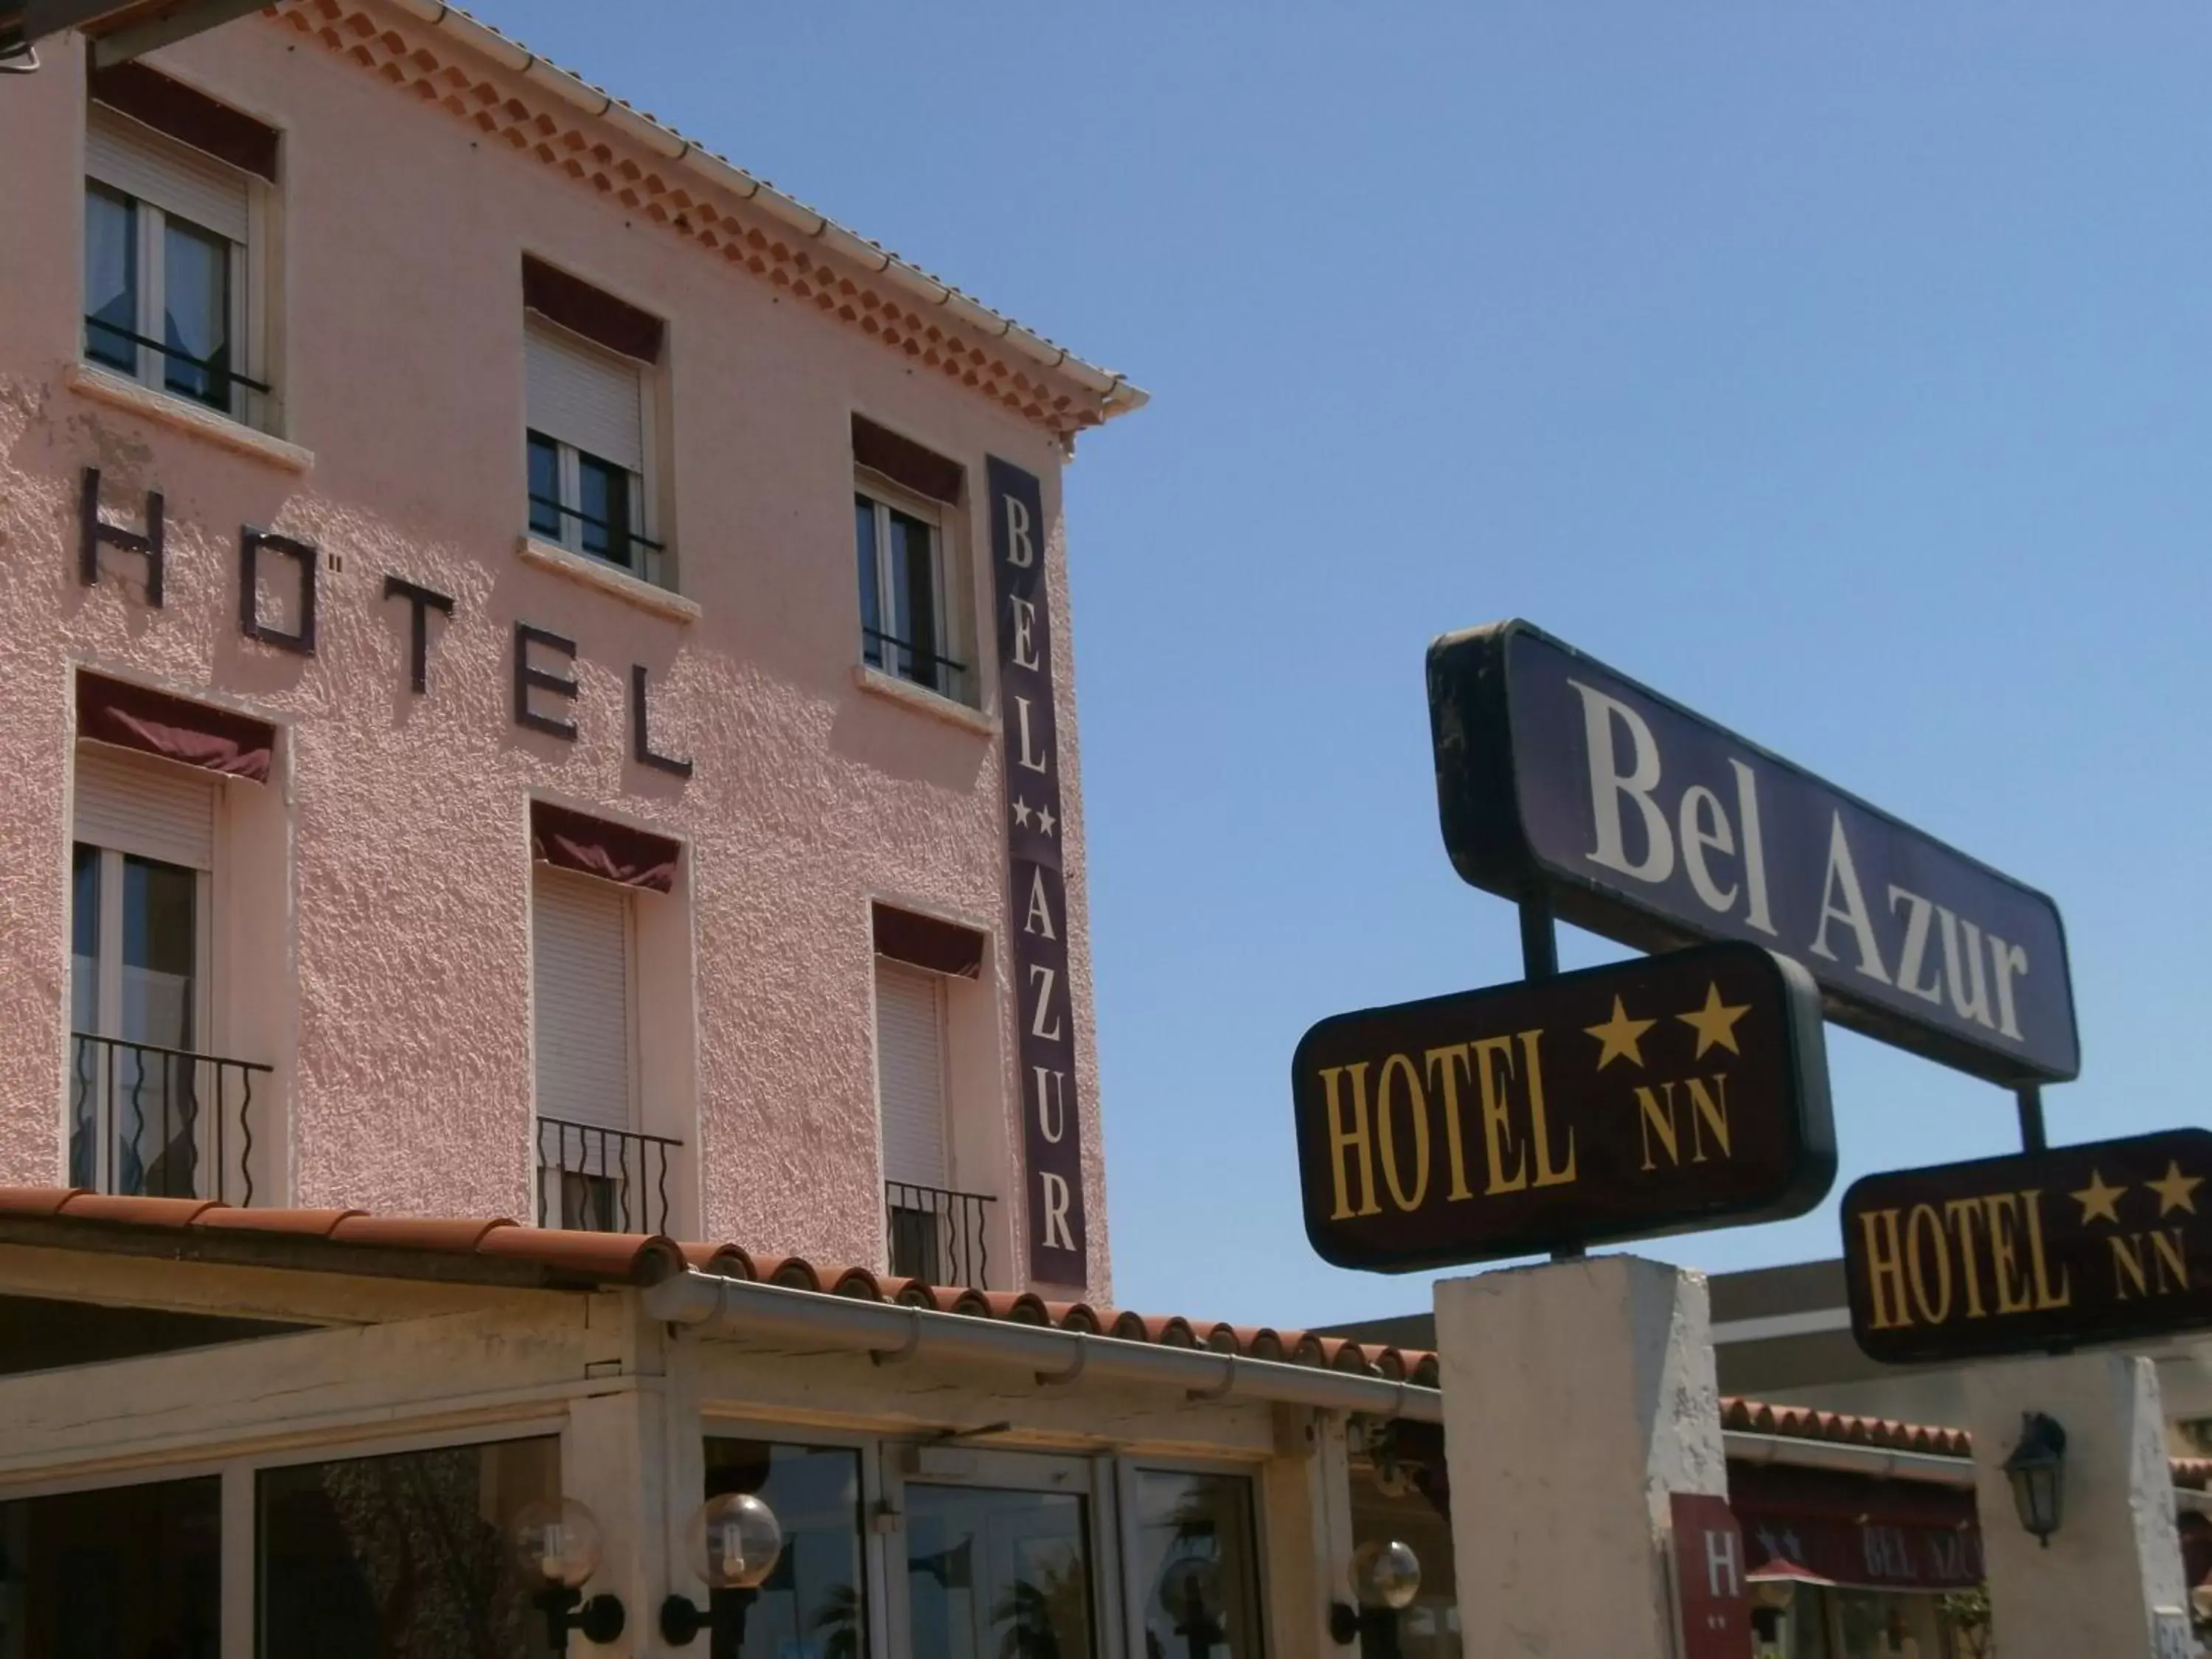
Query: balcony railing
column 942, row 1237
column 146, row 1122
column 602, row 1180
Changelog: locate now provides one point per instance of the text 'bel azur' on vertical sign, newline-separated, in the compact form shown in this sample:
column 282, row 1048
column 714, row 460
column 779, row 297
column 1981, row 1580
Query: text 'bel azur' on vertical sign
column 1052, row 1126
column 1646, row 822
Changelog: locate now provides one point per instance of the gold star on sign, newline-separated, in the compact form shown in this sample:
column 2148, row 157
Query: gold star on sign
column 1620, row 1035
column 2098, row 1202
column 1714, row 1022
column 2174, row 1191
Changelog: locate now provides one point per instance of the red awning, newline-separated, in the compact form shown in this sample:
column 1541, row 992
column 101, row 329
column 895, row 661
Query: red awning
column 943, row 947
column 593, row 847
column 1823, row 1526
column 155, row 723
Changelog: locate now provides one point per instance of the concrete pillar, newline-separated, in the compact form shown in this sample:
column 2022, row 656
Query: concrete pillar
column 1577, row 1397
column 2116, row 1558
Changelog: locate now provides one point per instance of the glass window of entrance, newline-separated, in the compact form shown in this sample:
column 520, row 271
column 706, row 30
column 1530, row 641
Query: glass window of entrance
column 815, row 1604
column 998, row 1575
column 126, row 1573
column 1197, row 1567
column 409, row 1554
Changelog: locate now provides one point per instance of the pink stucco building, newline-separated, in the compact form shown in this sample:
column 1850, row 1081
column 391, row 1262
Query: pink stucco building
column 538, row 678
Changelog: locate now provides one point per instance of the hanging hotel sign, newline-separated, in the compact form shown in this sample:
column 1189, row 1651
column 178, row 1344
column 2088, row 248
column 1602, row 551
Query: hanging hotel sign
column 1051, row 1131
column 1650, row 824
column 1660, row 1095
column 2106, row 1242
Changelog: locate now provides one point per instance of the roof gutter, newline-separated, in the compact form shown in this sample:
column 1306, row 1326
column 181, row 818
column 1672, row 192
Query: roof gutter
column 1874, row 1460
column 889, row 1332
column 1115, row 395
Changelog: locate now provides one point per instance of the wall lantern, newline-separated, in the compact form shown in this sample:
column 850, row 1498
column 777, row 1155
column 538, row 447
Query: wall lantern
column 734, row 1542
column 557, row 1543
column 1387, row 1575
column 2036, row 1469
column 1190, row 1595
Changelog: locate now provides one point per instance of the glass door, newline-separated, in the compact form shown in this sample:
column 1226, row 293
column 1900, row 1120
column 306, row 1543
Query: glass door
column 1007, row 1554
column 136, row 988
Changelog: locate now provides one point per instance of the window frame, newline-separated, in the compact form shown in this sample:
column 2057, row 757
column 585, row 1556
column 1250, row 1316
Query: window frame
column 254, row 401
column 239, row 1549
column 1021, row 1469
column 952, row 604
column 654, row 563
column 1128, row 1470
column 875, row 1556
column 107, row 996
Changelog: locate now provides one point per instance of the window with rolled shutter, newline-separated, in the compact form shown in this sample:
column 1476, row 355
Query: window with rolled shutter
column 583, row 395
column 175, row 178
column 144, row 807
column 911, row 1073
column 582, row 962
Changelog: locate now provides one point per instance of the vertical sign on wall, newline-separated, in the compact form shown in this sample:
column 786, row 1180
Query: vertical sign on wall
column 1051, row 1127
column 1711, row 1590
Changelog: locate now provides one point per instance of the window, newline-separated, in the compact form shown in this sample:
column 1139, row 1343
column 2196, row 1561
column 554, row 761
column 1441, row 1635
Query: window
column 121, row 1572
column 993, row 1571
column 402, row 1555
column 1197, row 1566
column 170, row 296
column 585, row 1042
column 588, row 361
column 144, row 1104
column 910, row 1092
column 815, row 1601
column 913, row 614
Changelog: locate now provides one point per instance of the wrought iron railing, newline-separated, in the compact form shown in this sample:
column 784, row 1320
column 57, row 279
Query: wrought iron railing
column 146, row 1122
column 939, row 1236
column 602, row 1180
column 907, row 661
column 220, row 375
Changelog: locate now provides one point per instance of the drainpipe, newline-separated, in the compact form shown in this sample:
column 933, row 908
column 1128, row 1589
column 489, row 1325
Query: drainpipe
column 735, row 1307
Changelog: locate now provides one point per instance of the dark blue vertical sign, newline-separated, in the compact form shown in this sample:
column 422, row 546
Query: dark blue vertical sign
column 1051, row 1127
column 1559, row 779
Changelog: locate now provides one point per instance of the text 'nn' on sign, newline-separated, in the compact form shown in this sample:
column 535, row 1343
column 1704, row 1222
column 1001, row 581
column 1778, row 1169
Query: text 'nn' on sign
column 1649, row 1096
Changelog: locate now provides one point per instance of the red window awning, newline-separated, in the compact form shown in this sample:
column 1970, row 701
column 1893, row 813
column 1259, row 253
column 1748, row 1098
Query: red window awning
column 943, row 947
column 174, row 728
column 1825, row 1526
column 575, row 840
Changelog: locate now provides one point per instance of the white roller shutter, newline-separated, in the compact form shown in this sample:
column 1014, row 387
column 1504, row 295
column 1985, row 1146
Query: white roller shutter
column 175, row 178
column 580, row 956
column 911, row 1073
column 585, row 396
column 155, row 811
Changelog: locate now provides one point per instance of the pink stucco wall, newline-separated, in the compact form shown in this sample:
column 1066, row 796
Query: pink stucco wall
column 385, row 966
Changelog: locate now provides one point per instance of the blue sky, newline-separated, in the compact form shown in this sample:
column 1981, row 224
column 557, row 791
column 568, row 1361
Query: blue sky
column 1841, row 370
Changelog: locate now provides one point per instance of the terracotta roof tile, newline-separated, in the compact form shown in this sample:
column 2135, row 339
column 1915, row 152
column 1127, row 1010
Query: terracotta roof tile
column 451, row 1237
column 135, row 1211
column 35, row 1200
column 319, row 1223
column 1808, row 1423
column 351, row 1240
